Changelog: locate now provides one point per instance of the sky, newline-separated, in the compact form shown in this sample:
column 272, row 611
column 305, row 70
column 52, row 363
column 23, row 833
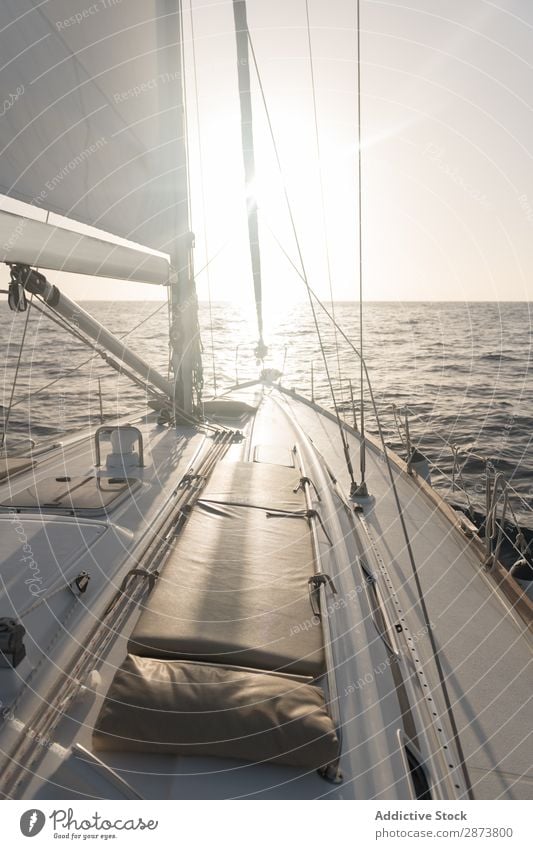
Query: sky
column 447, row 153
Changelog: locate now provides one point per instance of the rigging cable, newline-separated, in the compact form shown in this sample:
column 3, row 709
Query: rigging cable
column 410, row 554
column 169, row 331
column 202, row 195
column 122, row 336
column 119, row 367
column 86, row 361
column 61, row 322
column 15, row 376
column 322, row 194
column 304, row 274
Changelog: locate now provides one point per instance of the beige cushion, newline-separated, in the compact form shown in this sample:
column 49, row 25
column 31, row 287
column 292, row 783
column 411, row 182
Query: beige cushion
column 263, row 485
column 211, row 711
column 234, row 590
column 227, row 408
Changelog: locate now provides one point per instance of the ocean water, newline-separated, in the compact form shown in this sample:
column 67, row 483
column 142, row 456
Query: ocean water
column 463, row 371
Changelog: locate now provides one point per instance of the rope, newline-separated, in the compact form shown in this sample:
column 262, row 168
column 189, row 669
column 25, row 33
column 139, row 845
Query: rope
column 15, row 376
column 202, row 195
column 322, row 196
column 303, row 273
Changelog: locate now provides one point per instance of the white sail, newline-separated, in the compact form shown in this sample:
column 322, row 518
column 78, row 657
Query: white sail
column 90, row 127
column 36, row 243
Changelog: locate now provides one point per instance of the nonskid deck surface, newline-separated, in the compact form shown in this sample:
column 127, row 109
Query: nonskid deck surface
column 373, row 682
column 484, row 645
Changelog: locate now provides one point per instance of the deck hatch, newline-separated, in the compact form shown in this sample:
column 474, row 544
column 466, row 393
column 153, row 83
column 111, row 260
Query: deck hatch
column 89, row 495
column 276, row 455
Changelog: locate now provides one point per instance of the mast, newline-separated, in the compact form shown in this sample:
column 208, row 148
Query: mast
column 247, row 135
column 184, row 337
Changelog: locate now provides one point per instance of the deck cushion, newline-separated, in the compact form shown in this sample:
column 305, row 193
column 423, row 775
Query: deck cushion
column 227, row 408
column 264, row 485
column 234, row 590
column 213, row 711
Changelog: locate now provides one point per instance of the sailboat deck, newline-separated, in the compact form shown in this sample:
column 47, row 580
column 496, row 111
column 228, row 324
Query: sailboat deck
column 230, row 603
column 211, row 615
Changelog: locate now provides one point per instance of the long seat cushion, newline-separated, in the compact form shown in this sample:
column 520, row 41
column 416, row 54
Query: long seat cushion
column 206, row 710
column 234, row 590
column 264, row 485
column 227, row 408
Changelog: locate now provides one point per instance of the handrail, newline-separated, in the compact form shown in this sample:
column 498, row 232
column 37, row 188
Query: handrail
column 109, row 429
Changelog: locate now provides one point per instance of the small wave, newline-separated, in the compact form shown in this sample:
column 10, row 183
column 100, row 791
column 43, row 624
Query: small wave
column 504, row 358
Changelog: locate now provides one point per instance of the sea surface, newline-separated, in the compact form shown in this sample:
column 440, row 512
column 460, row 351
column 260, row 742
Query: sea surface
column 462, row 371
